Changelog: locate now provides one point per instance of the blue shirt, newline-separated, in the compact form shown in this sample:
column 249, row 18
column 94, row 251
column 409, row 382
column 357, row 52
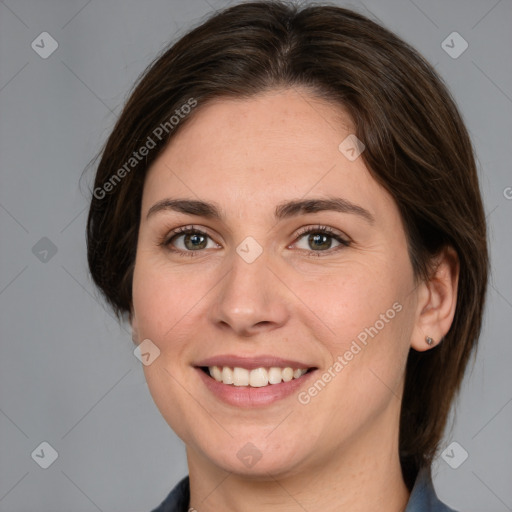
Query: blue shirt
column 422, row 499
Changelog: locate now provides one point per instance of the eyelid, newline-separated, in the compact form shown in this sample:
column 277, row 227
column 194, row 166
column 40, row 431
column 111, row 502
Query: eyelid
column 183, row 230
column 320, row 228
column 343, row 240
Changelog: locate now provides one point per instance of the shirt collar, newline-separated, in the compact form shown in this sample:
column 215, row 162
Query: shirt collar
column 423, row 497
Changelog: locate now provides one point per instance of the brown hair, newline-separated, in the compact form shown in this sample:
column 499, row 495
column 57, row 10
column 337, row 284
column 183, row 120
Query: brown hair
column 417, row 147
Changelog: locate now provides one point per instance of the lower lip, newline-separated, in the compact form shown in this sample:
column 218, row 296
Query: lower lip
column 247, row 396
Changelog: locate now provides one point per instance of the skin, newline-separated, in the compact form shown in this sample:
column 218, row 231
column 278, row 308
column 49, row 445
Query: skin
column 339, row 451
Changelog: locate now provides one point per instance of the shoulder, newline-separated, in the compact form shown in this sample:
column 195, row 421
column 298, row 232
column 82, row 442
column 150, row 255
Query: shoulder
column 423, row 497
column 177, row 500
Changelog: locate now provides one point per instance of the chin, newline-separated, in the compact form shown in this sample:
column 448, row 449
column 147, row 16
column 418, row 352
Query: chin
column 256, row 457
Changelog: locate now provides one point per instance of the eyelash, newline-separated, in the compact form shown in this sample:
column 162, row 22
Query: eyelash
column 184, row 230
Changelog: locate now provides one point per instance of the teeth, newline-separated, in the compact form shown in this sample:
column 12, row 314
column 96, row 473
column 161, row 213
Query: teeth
column 257, row 378
column 240, row 377
column 275, row 375
column 287, row 374
column 216, row 373
column 227, row 375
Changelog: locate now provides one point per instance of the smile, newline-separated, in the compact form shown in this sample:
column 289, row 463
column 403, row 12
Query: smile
column 256, row 377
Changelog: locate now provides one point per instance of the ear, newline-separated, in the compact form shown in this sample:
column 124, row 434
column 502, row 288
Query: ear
column 437, row 299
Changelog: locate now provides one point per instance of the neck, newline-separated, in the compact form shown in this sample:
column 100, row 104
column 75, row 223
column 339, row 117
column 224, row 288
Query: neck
column 359, row 475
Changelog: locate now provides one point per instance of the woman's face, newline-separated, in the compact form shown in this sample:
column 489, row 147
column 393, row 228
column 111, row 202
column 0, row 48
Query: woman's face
column 262, row 285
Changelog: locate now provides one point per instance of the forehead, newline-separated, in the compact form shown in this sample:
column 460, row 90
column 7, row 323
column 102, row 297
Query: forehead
column 251, row 152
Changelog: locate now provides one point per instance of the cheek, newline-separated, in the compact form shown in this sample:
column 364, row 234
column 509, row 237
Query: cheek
column 164, row 305
column 362, row 317
column 348, row 299
column 163, row 300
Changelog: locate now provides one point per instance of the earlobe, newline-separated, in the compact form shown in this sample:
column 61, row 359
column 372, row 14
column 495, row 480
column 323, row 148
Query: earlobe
column 437, row 301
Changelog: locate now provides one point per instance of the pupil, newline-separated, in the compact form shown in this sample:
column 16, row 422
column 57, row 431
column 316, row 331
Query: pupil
column 322, row 241
column 197, row 241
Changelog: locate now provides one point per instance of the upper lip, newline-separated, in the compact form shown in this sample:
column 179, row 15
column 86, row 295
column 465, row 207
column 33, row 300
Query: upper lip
column 263, row 361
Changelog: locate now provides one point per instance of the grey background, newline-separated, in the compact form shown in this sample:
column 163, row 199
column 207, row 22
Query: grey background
column 68, row 375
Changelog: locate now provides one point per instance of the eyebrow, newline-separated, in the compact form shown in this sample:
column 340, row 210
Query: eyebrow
column 283, row 211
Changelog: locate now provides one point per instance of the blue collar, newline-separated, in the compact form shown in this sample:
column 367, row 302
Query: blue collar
column 422, row 499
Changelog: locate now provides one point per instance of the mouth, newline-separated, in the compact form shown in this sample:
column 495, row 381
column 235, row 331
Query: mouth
column 254, row 377
column 247, row 382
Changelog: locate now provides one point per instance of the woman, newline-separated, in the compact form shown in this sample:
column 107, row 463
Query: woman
column 288, row 212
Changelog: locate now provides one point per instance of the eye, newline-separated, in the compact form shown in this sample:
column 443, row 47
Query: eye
column 188, row 239
column 320, row 239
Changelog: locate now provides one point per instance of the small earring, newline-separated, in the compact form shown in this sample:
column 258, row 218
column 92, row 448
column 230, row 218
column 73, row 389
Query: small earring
column 429, row 340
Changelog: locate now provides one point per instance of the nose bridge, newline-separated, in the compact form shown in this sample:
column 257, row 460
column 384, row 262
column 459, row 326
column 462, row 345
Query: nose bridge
column 248, row 299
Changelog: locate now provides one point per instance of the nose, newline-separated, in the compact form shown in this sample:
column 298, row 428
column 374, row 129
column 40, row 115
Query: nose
column 249, row 299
